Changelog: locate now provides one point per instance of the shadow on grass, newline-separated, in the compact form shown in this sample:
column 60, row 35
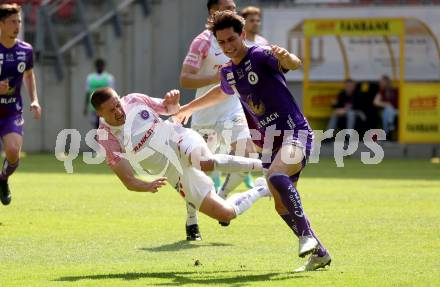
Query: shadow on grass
column 182, row 245
column 183, row 278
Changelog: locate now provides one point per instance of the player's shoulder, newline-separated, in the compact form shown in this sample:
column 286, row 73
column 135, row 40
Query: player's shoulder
column 206, row 36
column 22, row 45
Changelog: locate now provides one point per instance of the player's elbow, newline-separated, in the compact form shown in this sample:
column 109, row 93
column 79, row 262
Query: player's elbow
column 184, row 81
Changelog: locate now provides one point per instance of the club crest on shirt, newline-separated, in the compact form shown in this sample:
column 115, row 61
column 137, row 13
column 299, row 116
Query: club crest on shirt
column 253, row 78
column 21, row 67
column 145, row 115
column 258, row 109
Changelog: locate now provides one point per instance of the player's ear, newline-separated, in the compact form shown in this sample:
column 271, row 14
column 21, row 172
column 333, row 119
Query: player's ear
column 243, row 34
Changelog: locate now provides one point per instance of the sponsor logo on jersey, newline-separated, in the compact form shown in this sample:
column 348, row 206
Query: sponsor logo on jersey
column 240, row 74
column 21, row 53
column 229, row 76
column 9, row 57
column 21, row 67
column 253, row 78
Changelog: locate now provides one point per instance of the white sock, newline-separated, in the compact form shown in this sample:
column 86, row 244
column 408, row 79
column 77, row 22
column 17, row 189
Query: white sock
column 244, row 200
column 191, row 215
column 230, row 163
column 231, row 182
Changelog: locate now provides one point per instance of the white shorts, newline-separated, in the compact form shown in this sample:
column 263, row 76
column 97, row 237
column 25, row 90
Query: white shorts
column 222, row 134
column 193, row 184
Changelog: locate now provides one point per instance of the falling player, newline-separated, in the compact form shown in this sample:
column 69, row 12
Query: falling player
column 136, row 139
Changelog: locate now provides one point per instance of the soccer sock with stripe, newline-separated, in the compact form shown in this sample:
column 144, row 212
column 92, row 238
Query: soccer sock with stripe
column 231, row 163
column 291, row 200
column 244, row 200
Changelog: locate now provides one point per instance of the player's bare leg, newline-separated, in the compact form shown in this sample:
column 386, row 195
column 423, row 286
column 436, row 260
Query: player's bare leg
column 289, row 207
column 12, row 143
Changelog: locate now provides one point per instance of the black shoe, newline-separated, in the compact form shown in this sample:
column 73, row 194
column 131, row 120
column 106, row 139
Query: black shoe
column 193, row 232
column 224, row 224
column 5, row 193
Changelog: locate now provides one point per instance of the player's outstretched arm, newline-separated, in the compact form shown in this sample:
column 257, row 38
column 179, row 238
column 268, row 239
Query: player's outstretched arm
column 29, row 81
column 125, row 173
column 191, row 79
column 211, row 98
column 287, row 60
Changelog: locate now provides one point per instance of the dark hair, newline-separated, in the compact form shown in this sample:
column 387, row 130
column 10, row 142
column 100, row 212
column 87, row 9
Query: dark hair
column 226, row 19
column 250, row 10
column 7, row 10
column 99, row 65
column 211, row 3
column 100, row 96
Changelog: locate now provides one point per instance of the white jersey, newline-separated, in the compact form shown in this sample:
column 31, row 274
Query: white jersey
column 206, row 55
column 145, row 140
column 259, row 41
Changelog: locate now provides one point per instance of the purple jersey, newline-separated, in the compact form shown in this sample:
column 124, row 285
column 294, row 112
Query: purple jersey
column 13, row 63
column 266, row 100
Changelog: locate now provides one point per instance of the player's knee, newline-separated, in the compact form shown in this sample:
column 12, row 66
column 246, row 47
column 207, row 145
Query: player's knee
column 227, row 215
column 12, row 153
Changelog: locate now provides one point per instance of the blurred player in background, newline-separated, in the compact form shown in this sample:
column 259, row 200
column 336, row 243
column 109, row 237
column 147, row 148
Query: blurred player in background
column 135, row 138
column 257, row 75
column 252, row 16
column 200, row 71
column 94, row 81
column 16, row 67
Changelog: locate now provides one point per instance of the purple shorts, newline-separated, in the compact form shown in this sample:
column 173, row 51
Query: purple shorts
column 12, row 124
column 301, row 138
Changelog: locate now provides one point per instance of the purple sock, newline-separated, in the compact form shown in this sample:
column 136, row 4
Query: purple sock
column 7, row 169
column 320, row 251
column 290, row 222
column 291, row 200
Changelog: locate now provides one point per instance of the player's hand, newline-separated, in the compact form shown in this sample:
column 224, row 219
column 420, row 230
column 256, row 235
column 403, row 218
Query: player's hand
column 183, row 115
column 4, row 87
column 36, row 109
column 172, row 98
column 156, row 184
column 279, row 53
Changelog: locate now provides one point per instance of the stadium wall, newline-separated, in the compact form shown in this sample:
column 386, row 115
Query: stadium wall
column 147, row 59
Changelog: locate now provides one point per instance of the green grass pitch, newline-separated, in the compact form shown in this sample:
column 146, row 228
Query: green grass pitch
column 381, row 224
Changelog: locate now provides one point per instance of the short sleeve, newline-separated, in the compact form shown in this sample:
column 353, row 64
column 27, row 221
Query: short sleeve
column 198, row 51
column 266, row 56
column 155, row 103
column 226, row 81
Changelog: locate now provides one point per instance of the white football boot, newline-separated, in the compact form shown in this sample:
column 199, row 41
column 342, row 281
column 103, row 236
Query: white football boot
column 307, row 244
column 314, row 263
column 261, row 181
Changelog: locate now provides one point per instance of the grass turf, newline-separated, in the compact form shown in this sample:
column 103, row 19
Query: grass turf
column 381, row 224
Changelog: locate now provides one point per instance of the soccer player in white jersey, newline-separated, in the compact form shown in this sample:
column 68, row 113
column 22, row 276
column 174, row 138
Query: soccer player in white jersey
column 200, row 71
column 135, row 138
column 252, row 15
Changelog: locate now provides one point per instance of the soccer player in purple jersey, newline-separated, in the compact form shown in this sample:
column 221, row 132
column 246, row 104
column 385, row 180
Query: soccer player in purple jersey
column 16, row 63
column 257, row 74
